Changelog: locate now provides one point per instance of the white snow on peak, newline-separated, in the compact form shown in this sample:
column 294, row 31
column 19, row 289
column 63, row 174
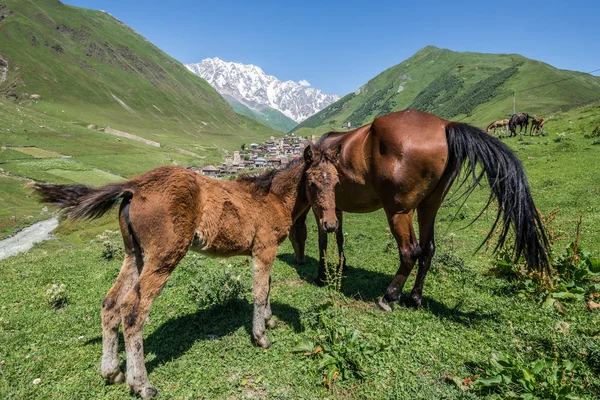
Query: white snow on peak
column 251, row 86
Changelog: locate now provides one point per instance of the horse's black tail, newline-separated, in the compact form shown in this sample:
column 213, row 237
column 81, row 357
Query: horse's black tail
column 469, row 146
column 81, row 201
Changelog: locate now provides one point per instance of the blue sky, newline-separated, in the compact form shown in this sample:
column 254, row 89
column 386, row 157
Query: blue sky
column 339, row 45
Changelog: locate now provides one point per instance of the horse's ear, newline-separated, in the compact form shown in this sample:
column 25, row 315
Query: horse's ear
column 334, row 154
column 308, row 154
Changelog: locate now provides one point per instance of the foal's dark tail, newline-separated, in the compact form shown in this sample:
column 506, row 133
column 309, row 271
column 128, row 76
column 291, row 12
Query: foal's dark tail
column 82, row 201
column 469, row 146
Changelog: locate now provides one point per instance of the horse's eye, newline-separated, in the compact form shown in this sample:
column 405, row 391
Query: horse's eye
column 311, row 184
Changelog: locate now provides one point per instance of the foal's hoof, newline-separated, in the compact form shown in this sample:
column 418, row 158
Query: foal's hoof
column 383, row 305
column 263, row 342
column 146, row 392
column 271, row 323
column 115, row 378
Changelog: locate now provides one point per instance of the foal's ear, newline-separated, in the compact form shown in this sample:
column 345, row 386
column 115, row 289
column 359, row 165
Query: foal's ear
column 334, row 154
column 308, row 154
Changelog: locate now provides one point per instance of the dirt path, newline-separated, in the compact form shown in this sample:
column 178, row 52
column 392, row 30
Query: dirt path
column 25, row 239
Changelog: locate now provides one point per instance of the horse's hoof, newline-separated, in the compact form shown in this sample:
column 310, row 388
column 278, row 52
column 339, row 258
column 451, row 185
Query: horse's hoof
column 383, row 305
column 319, row 282
column 301, row 261
column 263, row 342
column 271, row 323
column 115, row 378
column 416, row 301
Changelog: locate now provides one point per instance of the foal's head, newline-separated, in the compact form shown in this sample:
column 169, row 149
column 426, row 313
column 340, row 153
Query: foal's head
column 321, row 179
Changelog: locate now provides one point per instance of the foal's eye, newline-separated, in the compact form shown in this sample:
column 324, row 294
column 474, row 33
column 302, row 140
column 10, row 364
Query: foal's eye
column 311, row 184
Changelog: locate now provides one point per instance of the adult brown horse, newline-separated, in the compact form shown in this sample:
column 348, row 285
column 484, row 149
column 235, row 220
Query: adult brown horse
column 407, row 161
column 520, row 120
column 163, row 214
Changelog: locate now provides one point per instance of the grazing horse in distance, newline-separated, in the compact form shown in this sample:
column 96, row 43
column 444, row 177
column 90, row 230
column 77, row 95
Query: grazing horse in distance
column 520, row 119
column 537, row 123
column 163, row 214
column 501, row 123
column 407, row 161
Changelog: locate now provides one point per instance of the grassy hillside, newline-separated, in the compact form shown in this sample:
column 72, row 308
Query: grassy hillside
column 471, row 86
column 267, row 116
column 88, row 67
column 198, row 348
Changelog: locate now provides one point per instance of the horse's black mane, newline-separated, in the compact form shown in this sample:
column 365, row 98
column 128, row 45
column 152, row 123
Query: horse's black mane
column 262, row 182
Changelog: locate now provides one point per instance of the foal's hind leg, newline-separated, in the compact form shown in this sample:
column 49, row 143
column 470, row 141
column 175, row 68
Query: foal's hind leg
column 135, row 309
column 111, row 317
column 402, row 228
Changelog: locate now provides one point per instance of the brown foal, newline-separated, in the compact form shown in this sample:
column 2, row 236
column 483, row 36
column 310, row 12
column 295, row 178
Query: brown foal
column 501, row 123
column 407, row 161
column 163, row 214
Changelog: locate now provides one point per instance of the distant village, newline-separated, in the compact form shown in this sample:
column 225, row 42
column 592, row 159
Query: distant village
column 274, row 153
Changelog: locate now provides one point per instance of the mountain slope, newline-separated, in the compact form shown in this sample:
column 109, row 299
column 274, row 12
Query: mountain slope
column 266, row 116
column 472, row 86
column 89, row 67
column 251, row 86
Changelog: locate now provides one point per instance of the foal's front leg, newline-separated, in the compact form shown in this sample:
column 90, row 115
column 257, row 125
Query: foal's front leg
column 263, row 261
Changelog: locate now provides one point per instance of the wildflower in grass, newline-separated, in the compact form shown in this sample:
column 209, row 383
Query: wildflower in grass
column 37, row 381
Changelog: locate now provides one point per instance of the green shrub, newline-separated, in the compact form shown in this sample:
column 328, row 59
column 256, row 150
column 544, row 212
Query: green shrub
column 56, row 295
column 212, row 288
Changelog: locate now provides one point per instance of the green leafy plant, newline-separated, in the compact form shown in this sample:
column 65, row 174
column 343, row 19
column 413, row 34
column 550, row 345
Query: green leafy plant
column 512, row 377
column 341, row 352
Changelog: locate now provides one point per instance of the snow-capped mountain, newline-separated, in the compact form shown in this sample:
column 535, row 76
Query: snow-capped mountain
column 249, row 85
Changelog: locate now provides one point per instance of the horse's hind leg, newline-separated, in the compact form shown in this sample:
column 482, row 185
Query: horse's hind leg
column 426, row 216
column 402, row 228
column 111, row 317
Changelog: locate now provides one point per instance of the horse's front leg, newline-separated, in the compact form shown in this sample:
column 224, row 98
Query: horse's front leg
column 339, row 237
column 263, row 261
column 298, row 237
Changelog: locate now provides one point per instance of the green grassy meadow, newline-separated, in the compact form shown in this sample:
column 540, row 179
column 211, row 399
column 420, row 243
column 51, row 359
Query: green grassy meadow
column 199, row 346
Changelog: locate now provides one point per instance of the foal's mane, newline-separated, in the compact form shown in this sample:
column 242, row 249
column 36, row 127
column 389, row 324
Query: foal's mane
column 262, row 183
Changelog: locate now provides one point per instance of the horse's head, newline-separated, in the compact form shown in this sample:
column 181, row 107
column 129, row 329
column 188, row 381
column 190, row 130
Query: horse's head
column 321, row 179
